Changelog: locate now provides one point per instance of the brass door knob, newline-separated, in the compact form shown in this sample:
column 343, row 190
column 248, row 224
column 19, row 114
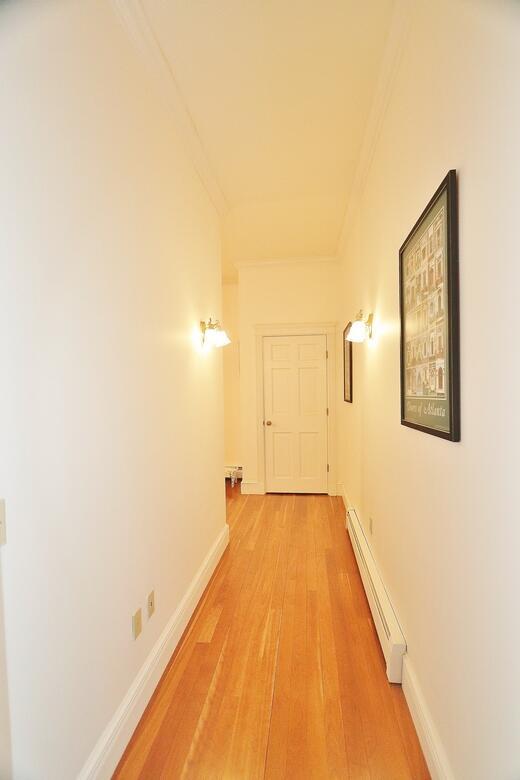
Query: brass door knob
column 268, row 422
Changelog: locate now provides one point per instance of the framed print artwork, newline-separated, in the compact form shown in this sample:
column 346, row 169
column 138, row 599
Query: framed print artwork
column 347, row 367
column 429, row 308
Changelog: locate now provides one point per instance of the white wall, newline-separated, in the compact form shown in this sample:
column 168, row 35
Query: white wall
column 291, row 292
column 5, row 726
column 231, row 359
column 112, row 447
column 445, row 515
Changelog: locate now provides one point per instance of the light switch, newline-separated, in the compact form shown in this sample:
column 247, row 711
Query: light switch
column 137, row 624
column 151, row 604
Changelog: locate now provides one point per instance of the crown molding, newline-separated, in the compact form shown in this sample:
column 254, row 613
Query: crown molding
column 134, row 20
column 268, row 261
column 397, row 36
column 294, row 328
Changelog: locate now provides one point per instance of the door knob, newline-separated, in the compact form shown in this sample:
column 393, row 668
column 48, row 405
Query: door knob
column 268, row 422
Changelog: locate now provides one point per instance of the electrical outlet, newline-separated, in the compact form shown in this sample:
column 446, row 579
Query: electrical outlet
column 151, row 603
column 137, row 623
column 3, row 530
column 371, row 525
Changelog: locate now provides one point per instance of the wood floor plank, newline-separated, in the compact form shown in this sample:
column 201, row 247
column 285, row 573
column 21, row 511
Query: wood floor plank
column 279, row 674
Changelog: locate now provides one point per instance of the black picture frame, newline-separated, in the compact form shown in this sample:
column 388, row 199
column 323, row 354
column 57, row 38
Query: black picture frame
column 430, row 356
column 347, row 368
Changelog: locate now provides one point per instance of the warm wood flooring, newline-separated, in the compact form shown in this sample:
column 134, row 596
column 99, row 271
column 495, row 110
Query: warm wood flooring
column 279, row 674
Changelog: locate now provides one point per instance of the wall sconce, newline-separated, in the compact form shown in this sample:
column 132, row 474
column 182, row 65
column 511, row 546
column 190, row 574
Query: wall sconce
column 213, row 335
column 360, row 329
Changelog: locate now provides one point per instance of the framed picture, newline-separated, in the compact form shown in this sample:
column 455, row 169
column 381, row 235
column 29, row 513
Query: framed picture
column 429, row 307
column 347, row 367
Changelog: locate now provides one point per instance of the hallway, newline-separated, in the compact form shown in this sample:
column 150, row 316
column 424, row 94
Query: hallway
column 272, row 241
column 280, row 673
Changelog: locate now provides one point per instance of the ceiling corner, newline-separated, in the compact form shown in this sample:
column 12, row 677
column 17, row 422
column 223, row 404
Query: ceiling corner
column 134, row 20
column 395, row 42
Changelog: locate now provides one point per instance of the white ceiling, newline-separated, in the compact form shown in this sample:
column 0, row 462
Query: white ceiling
column 279, row 92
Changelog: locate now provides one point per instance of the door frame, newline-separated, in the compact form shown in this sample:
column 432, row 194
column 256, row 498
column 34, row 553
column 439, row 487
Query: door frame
column 329, row 330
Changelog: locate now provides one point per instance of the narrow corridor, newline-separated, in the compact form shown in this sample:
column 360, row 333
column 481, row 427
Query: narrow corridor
column 280, row 673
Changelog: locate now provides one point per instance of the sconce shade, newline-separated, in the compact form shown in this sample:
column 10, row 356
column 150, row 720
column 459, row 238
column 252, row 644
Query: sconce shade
column 360, row 329
column 213, row 334
column 357, row 331
column 220, row 338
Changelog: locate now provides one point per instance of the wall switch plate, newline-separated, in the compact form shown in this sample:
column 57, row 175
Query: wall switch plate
column 137, row 623
column 3, row 530
column 151, row 603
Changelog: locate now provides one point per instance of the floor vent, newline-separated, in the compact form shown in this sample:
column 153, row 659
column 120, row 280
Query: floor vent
column 388, row 630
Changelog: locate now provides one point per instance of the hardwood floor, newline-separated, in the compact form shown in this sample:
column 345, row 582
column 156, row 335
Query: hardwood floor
column 279, row 674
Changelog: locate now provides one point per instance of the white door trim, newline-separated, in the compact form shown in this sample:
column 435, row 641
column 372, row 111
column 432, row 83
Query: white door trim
column 328, row 329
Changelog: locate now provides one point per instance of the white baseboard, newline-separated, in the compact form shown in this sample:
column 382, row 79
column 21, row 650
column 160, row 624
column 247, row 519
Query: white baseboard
column 428, row 737
column 431, row 744
column 106, row 754
column 253, row 488
column 341, row 492
column 258, row 489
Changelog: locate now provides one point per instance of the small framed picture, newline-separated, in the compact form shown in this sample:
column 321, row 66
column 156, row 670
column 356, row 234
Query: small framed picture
column 429, row 308
column 347, row 367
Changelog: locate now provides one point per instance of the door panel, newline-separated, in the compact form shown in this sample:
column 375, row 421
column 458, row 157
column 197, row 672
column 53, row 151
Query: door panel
column 309, row 451
column 309, row 351
column 282, row 455
column 280, row 352
column 309, row 390
column 295, row 401
column 281, row 390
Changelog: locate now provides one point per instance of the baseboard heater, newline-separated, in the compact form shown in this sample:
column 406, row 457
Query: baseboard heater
column 388, row 630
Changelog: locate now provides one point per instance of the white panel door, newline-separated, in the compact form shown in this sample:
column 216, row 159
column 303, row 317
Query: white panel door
column 295, row 414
